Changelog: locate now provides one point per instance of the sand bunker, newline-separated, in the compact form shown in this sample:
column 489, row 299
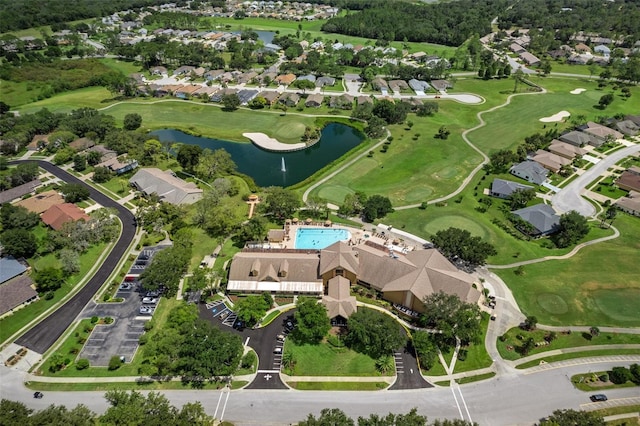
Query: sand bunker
column 556, row 117
column 271, row 144
column 577, row 91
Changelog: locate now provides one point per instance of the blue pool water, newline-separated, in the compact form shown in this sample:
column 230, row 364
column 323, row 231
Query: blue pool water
column 319, row 238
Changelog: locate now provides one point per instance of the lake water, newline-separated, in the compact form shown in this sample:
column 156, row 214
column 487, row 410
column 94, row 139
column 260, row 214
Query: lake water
column 265, row 36
column 266, row 167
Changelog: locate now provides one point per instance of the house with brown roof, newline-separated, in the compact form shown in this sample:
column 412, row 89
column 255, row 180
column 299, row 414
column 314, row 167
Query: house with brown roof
column 403, row 279
column 630, row 204
column 285, row 79
column 600, row 132
column 566, row 150
column 38, row 142
column 582, row 48
column 270, row 96
column 81, row 144
column 314, row 100
column 105, row 153
column 40, row 203
column 339, row 302
column 59, row 214
column 529, row 58
column 629, row 181
column 289, row 99
column 166, row 185
column 550, row 161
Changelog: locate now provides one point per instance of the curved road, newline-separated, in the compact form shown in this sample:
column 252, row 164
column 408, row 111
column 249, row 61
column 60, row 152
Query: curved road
column 41, row 337
column 569, row 197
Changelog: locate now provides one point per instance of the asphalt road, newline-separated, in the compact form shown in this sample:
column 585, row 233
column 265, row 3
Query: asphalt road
column 513, row 399
column 44, row 335
column 569, row 197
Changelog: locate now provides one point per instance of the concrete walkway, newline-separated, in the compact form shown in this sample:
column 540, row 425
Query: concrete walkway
column 547, row 354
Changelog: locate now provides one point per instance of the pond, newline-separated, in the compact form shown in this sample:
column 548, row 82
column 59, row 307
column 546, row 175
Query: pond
column 265, row 167
column 265, row 36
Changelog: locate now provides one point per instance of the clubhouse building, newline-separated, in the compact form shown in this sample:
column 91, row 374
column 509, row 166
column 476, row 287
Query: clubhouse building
column 402, row 278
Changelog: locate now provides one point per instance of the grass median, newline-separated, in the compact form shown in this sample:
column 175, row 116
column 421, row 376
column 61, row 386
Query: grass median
column 575, row 355
column 339, row 386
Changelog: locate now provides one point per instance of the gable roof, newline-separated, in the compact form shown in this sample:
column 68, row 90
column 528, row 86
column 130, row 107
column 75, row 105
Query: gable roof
column 566, row 149
column 541, row 216
column 15, row 292
column 166, row 185
column 600, row 131
column 507, row 187
column 628, row 127
column 9, row 268
column 339, row 301
column 549, row 160
column 338, row 255
column 59, row 214
column 629, row 180
column 9, row 195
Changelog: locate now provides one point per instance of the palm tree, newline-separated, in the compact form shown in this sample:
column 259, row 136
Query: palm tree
column 385, row 363
column 288, row 361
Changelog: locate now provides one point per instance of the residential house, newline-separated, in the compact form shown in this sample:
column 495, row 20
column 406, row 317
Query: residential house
column 419, row 86
column 247, row 95
column 634, row 118
column 542, row 219
column 344, row 101
column 119, row 165
column 38, row 142
column 603, row 50
column 629, row 181
column 199, row 71
column 566, row 150
column 325, row 81
column 183, row 70
column 557, row 53
column 16, row 288
column 59, row 214
column 529, row 58
column 158, row 71
column 267, row 77
column 600, row 133
column 39, row 203
column 582, row 48
column 630, row 204
column 530, row 171
column 576, row 138
column 285, row 79
column 186, row 91
column 314, row 100
column 138, row 77
column 166, row 185
column 289, row 99
column 308, row 77
column 363, row 99
column 270, row 96
column 575, row 59
column 418, row 56
column 627, row 127
column 398, row 85
column 205, row 90
column 81, row 144
column 516, row 48
column 550, row 161
column 501, row 188
column 379, row 83
column 441, row 85
column 634, row 170
column 246, row 77
column 213, row 74
column 217, row 97
column 8, row 195
column 105, row 153
column 403, row 279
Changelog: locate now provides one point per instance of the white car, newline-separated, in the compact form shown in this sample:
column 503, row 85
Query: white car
column 149, row 300
column 146, row 310
column 277, row 351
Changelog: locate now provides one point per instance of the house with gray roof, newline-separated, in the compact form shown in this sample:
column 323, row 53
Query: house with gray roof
column 19, row 191
column 10, row 268
column 419, row 85
column 627, row 127
column 166, row 185
column 542, row 218
column 501, row 188
column 325, row 81
column 16, row 293
column 577, row 138
column 530, row 171
column 308, row 77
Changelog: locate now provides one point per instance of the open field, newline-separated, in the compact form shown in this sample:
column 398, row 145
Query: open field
column 90, row 97
column 326, row 360
column 598, row 286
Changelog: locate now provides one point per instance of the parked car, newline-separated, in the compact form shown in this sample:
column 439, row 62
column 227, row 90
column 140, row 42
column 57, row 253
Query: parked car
column 280, row 337
column 277, row 351
column 143, row 257
column 599, row 397
column 238, row 325
column 146, row 310
column 38, row 395
column 141, row 262
column 150, row 300
column 125, row 287
column 152, row 293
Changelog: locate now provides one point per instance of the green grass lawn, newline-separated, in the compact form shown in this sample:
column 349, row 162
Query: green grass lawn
column 477, row 355
column 205, row 120
column 13, row 323
column 477, row 378
column 326, row 360
column 137, row 385
column 598, row 286
column 339, row 386
column 574, row 355
column 562, row 341
column 89, row 97
column 590, row 382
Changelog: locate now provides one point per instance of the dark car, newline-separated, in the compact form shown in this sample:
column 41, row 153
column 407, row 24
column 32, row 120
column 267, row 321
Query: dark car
column 599, row 397
column 238, row 325
column 143, row 257
column 38, row 395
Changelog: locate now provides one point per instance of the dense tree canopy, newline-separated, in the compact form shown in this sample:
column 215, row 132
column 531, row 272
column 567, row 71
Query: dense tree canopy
column 168, row 265
column 280, row 203
column 18, row 242
column 375, row 207
column 312, row 322
column 373, row 333
column 458, row 244
column 452, row 318
column 571, row 417
column 573, row 227
column 251, row 309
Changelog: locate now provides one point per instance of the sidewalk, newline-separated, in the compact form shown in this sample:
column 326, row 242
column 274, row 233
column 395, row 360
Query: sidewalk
column 548, row 354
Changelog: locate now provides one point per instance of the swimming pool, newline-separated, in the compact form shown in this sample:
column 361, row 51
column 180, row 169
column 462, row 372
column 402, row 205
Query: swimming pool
column 319, row 238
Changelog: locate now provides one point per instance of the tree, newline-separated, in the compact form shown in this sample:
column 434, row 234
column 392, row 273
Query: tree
column 453, row 319
column 188, row 156
column 231, row 102
column 79, row 162
column 571, row 417
column 620, row 375
column 530, row 323
column 251, row 309
column 353, row 204
column 304, row 85
column 70, row 261
column 215, row 163
column 19, row 242
column 605, row 100
column 428, row 108
column 166, row 268
column 132, row 121
column 328, row 417
column 74, row 192
column 412, row 418
column 375, row 127
column 634, row 369
column 101, row 174
column 520, row 197
column 573, row 227
column 373, row 333
column 255, row 229
column 426, row 349
column 4, row 108
column 376, row 207
column 280, row 203
column 443, row 133
column 312, row 322
column 455, row 243
column 14, row 217
column 14, row 413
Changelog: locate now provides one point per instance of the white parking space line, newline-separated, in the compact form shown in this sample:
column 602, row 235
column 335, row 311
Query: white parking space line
column 246, row 342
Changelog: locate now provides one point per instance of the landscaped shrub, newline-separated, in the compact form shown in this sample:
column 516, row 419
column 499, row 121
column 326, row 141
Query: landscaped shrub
column 49, row 295
column 143, row 339
column 108, row 320
column 94, row 319
column 82, row 364
column 335, row 341
column 74, row 351
column 248, row 360
column 620, row 375
column 148, row 326
column 462, row 354
column 114, row 363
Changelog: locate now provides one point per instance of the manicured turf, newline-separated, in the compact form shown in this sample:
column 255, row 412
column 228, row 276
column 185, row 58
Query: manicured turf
column 477, row 378
column 89, row 97
column 339, row 386
column 589, row 382
column 325, row 360
column 137, row 385
column 574, row 355
column 598, row 286
column 206, row 120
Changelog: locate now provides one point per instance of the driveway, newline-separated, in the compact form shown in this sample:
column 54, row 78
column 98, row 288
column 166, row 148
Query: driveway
column 42, row 336
column 569, row 197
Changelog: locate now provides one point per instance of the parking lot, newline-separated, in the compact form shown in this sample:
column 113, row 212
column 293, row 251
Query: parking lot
column 121, row 337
